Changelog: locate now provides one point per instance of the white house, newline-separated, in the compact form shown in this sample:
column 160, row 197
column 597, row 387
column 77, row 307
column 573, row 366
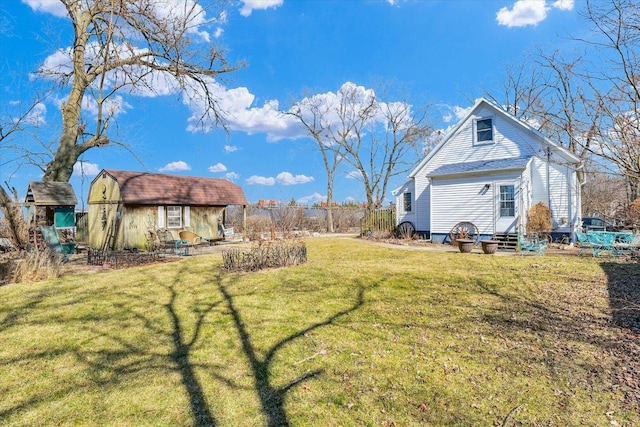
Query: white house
column 489, row 170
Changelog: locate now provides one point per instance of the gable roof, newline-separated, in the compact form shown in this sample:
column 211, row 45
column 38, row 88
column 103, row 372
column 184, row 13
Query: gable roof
column 566, row 154
column 145, row 188
column 48, row 193
column 519, row 163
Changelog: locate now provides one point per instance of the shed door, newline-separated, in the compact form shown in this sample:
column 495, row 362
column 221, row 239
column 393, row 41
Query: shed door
column 506, row 214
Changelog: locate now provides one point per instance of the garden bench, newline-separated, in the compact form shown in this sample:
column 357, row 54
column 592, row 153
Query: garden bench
column 598, row 241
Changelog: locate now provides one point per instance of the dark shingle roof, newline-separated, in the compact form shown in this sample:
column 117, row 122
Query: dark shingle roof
column 481, row 166
column 144, row 188
column 47, row 193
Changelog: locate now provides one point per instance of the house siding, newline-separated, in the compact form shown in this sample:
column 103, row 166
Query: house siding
column 456, row 200
column 509, row 142
column 444, row 200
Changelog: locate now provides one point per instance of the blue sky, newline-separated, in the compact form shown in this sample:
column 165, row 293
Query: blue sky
column 442, row 53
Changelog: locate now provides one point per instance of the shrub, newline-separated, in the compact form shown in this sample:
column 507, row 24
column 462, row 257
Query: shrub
column 265, row 255
column 538, row 218
column 35, row 266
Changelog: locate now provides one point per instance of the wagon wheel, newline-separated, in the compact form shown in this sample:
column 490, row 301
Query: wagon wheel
column 464, row 230
column 405, row 230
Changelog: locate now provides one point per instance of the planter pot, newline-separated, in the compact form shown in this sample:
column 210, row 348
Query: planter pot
column 489, row 246
column 466, row 245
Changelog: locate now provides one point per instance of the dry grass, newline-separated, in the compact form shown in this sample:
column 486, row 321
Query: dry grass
column 359, row 335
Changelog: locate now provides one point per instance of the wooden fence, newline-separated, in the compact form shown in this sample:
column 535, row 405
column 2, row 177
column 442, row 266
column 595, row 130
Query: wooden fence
column 378, row 221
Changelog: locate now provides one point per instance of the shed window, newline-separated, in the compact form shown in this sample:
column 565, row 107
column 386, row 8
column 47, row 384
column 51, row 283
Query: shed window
column 507, row 200
column 406, row 198
column 174, row 216
column 484, row 130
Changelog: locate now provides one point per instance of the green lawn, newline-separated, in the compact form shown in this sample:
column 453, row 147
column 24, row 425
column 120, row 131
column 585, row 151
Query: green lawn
column 359, row 335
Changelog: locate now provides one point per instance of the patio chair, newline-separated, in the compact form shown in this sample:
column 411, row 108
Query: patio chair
column 224, row 232
column 204, row 231
column 628, row 245
column 168, row 242
column 533, row 244
column 190, row 240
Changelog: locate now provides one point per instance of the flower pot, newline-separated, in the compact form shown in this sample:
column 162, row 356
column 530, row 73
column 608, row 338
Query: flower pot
column 466, row 245
column 489, row 246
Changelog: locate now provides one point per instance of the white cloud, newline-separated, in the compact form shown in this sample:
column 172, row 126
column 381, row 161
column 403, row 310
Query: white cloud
column 249, row 6
column 260, row 180
column 529, row 12
column 524, row 12
column 232, row 176
column 175, row 166
column 55, row 8
column 218, row 33
column 354, row 175
column 218, row 167
column 283, row 178
column 563, row 4
column 239, row 113
column 230, row 149
column 85, row 168
column 112, row 107
column 286, row 178
column 310, row 200
column 36, row 116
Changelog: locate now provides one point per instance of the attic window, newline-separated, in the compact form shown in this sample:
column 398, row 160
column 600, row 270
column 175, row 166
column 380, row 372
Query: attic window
column 484, row 130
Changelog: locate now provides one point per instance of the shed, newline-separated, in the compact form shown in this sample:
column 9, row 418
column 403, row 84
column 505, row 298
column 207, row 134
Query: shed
column 125, row 206
column 51, row 204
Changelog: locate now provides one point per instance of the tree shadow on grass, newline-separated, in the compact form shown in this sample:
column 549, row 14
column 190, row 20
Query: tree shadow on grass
column 272, row 398
column 623, row 284
column 577, row 319
column 200, row 411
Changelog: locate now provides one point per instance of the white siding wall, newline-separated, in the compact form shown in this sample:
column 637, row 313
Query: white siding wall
column 422, row 200
column 510, row 141
column 401, row 214
column 561, row 194
column 442, row 203
column 456, row 200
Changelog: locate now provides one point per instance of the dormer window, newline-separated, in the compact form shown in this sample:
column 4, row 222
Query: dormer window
column 484, row 131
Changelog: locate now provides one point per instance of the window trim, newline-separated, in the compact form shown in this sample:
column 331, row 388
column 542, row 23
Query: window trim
column 407, row 199
column 502, row 201
column 476, row 141
column 169, row 217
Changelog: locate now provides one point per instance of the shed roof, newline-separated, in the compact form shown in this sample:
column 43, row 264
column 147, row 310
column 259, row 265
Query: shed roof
column 48, row 193
column 519, row 163
column 145, row 188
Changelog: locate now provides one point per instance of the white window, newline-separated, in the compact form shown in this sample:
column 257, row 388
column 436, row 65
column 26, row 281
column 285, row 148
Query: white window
column 507, row 200
column 484, row 131
column 406, row 198
column 174, row 216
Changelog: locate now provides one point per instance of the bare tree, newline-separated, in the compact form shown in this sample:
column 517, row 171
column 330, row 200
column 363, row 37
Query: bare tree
column 130, row 47
column 592, row 107
column 385, row 143
column 374, row 137
column 330, row 120
column 615, row 106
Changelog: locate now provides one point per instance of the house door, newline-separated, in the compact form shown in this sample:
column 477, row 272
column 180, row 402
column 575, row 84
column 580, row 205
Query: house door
column 506, row 211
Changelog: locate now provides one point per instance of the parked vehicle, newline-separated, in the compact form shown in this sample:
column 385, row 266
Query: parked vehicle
column 595, row 224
